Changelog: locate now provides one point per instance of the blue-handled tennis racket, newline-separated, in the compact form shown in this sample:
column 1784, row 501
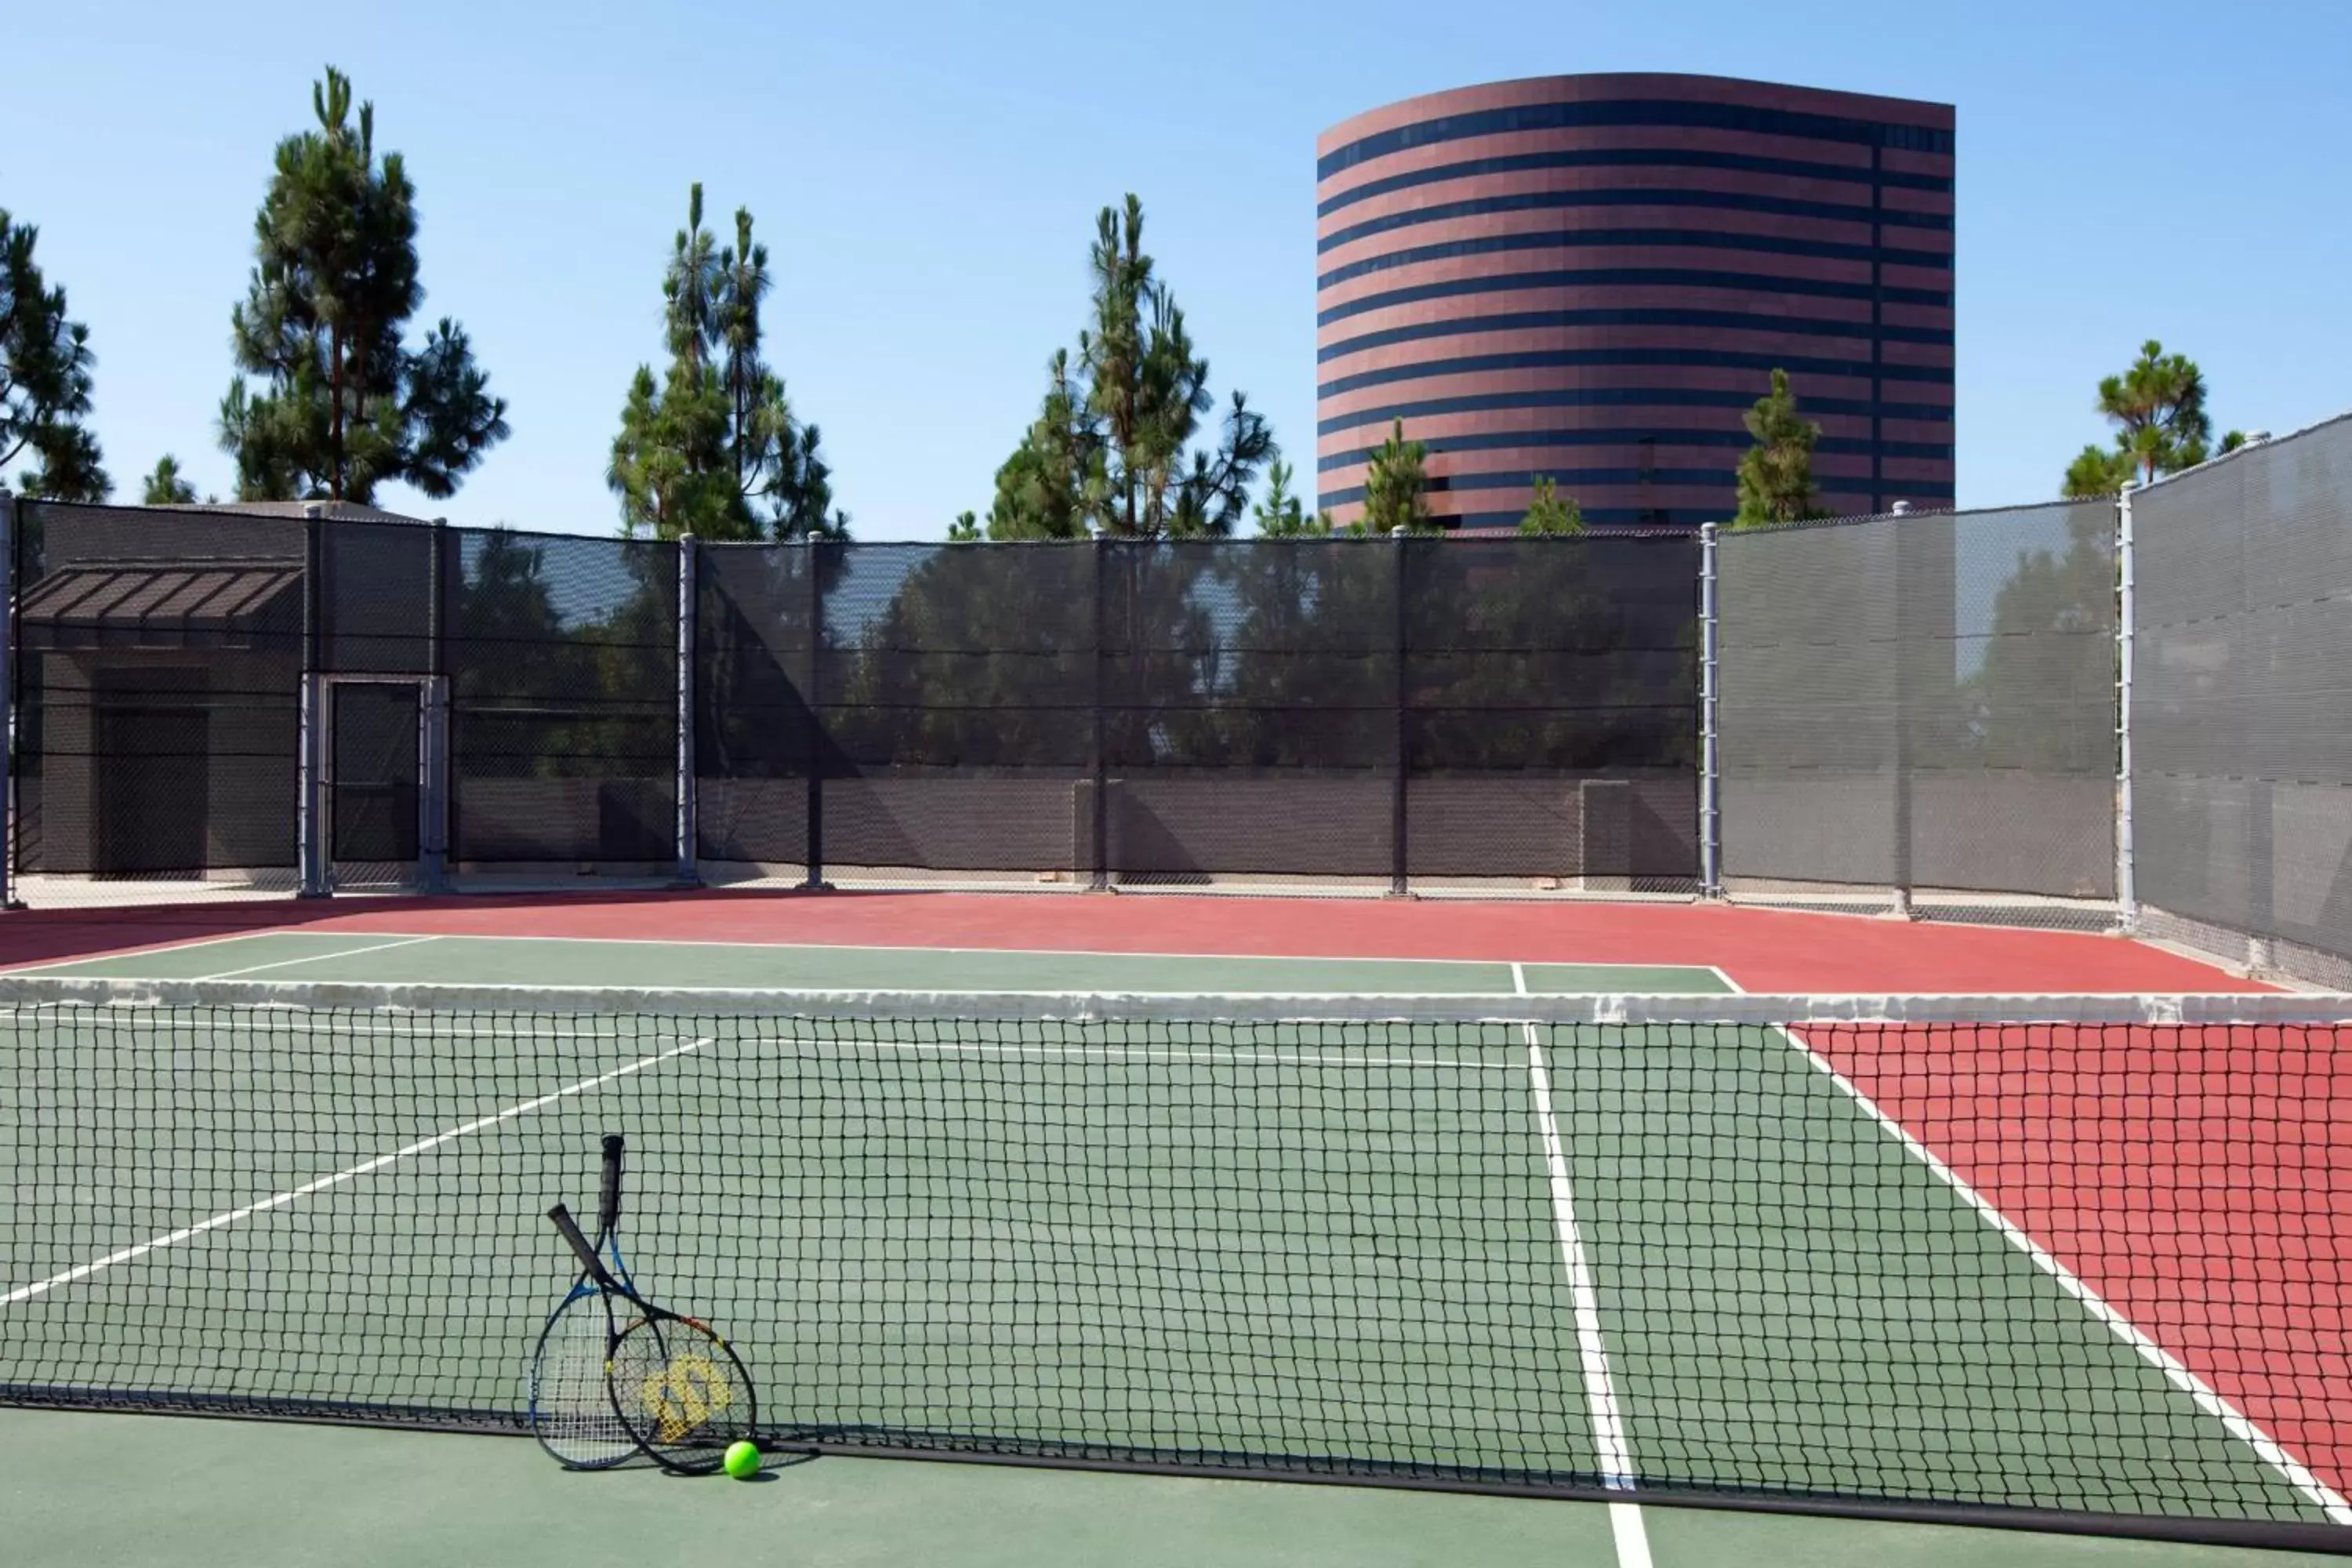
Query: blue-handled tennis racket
column 679, row 1391
column 572, row 1410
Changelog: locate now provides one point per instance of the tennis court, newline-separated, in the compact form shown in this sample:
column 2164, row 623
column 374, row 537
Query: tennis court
column 1501, row 1242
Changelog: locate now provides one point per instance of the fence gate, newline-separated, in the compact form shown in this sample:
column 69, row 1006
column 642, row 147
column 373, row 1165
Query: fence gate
column 381, row 774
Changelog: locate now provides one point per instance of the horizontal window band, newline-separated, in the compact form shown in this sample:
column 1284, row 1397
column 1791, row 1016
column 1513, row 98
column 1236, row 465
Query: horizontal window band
column 1570, row 480
column 1796, row 124
column 1639, row 316
column 1620, row 398
column 1645, row 238
column 1633, row 277
column 1703, row 359
column 1512, row 440
column 1626, row 158
column 1560, row 200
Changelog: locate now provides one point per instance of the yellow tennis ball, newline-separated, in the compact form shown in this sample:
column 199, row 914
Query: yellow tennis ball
column 743, row 1461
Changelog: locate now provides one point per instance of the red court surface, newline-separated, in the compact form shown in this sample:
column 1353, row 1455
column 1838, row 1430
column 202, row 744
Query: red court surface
column 2198, row 1179
column 1760, row 950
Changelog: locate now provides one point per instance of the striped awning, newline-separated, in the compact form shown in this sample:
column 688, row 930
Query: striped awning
column 161, row 603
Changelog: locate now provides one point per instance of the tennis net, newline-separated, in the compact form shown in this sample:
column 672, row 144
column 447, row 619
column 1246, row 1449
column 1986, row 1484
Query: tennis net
column 2069, row 1261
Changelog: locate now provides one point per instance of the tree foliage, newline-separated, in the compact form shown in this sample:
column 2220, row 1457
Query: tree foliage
column 713, row 448
column 1776, row 475
column 164, row 487
column 1112, row 447
column 45, row 378
column 1396, row 486
column 2161, row 426
column 1551, row 512
column 344, row 404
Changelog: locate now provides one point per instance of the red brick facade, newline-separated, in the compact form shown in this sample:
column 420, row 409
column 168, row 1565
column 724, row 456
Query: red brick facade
column 1592, row 277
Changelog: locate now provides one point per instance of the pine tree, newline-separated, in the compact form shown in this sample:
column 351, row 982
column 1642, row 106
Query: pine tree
column 1395, row 485
column 45, row 378
column 164, row 487
column 1776, row 476
column 713, row 448
column 1111, row 448
column 1551, row 512
column 344, row 404
column 2158, row 406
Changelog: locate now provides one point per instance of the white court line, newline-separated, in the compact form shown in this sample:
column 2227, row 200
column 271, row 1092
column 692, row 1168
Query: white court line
column 2207, row 1399
column 319, row 957
column 1255, row 958
column 279, row 1200
column 1148, row 1053
column 156, row 950
column 1625, row 1526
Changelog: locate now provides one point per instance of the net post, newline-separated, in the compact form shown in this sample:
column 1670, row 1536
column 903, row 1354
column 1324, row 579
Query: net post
column 687, row 873
column 2127, row 652
column 1711, row 777
column 433, row 798
column 1399, row 875
column 816, row 881
column 310, row 828
column 1099, row 880
column 8, row 899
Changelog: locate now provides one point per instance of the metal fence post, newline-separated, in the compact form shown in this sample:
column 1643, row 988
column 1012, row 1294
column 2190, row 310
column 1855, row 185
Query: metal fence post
column 687, row 869
column 1400, row 849
column 8, row 701
column 813, row 699
column 1710, row 766
column 2126, row 874
column 1904, row 703
column 433, row 827
column 1100, row 879
column 309, row 802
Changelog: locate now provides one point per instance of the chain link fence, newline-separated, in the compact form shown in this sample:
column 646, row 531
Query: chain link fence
column 1917, row 712
column 1910, row 714
column 2241, row 706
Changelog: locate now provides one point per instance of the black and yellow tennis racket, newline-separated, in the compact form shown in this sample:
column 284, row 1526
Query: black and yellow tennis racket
column 676, row 1387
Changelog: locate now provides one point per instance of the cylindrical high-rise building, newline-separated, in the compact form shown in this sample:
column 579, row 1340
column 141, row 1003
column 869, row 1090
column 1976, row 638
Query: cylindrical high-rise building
column 1592, row 277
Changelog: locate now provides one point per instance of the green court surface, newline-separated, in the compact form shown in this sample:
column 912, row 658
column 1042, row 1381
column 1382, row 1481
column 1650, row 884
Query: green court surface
column 126, row 1492
column 393, row 958
column 1295, row 1240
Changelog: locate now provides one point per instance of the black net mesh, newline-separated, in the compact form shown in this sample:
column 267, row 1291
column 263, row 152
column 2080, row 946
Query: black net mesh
column 157, row 692
column 1744, row 1248
column 562, row 660
column 1551, row 709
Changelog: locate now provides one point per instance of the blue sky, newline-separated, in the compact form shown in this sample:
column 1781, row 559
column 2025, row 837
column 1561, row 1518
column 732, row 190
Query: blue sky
column 925, row 177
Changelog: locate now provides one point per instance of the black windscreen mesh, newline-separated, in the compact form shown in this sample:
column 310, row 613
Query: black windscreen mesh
column 564, row 730
column 1250, row 707
column 1551, row 700
column 756, row 736
column 956, row 683
column 157, row 691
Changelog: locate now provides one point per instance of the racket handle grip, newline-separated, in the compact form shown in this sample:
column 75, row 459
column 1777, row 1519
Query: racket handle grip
column 579, row 1243
column 608, row 1197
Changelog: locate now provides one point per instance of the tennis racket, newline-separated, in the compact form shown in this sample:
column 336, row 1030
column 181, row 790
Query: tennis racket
column 679, row 1390
column 572, row 1410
